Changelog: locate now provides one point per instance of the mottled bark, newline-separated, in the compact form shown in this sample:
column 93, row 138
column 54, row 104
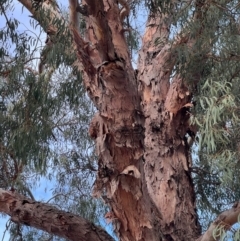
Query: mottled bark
column 167, row 159
column 72, row 227
column 143, row 163
column 50, row 219
column 160, row 203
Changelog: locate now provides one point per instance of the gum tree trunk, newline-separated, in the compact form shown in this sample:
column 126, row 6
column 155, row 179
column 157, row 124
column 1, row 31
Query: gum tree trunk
column 139, row 129
column 166, row 156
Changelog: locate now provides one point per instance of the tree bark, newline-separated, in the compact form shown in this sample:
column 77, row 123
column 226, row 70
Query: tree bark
column 50, row 219
column 158, row 204
column 143, row 163
column 167, row 160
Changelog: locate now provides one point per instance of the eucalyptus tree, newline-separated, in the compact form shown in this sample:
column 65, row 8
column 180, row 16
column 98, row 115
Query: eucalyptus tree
column 184, row 90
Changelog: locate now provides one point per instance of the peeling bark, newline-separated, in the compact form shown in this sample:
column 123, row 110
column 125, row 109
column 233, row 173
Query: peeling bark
column 48, row 218
column 166, row 157
column 139, row 202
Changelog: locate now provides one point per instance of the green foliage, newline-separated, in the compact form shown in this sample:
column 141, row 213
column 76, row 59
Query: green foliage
column 132, row 41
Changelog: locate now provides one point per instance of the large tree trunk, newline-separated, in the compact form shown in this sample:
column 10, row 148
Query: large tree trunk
column 139, row 132
column 166, row 153
column 139, row 129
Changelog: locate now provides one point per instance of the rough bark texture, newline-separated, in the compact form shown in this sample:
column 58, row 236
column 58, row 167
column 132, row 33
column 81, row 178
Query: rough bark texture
column 159, row 204
column 49, row 219
column 139, row 128
column 166, row 155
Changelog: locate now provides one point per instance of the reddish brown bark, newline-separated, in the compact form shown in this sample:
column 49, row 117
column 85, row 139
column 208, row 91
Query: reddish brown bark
column 160, row 204
column 166, row 156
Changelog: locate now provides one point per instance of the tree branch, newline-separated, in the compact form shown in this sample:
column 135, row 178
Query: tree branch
column 98, row 19
column 224, row 221
column 178, row 95
column 50, row 27
column 50, row 219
